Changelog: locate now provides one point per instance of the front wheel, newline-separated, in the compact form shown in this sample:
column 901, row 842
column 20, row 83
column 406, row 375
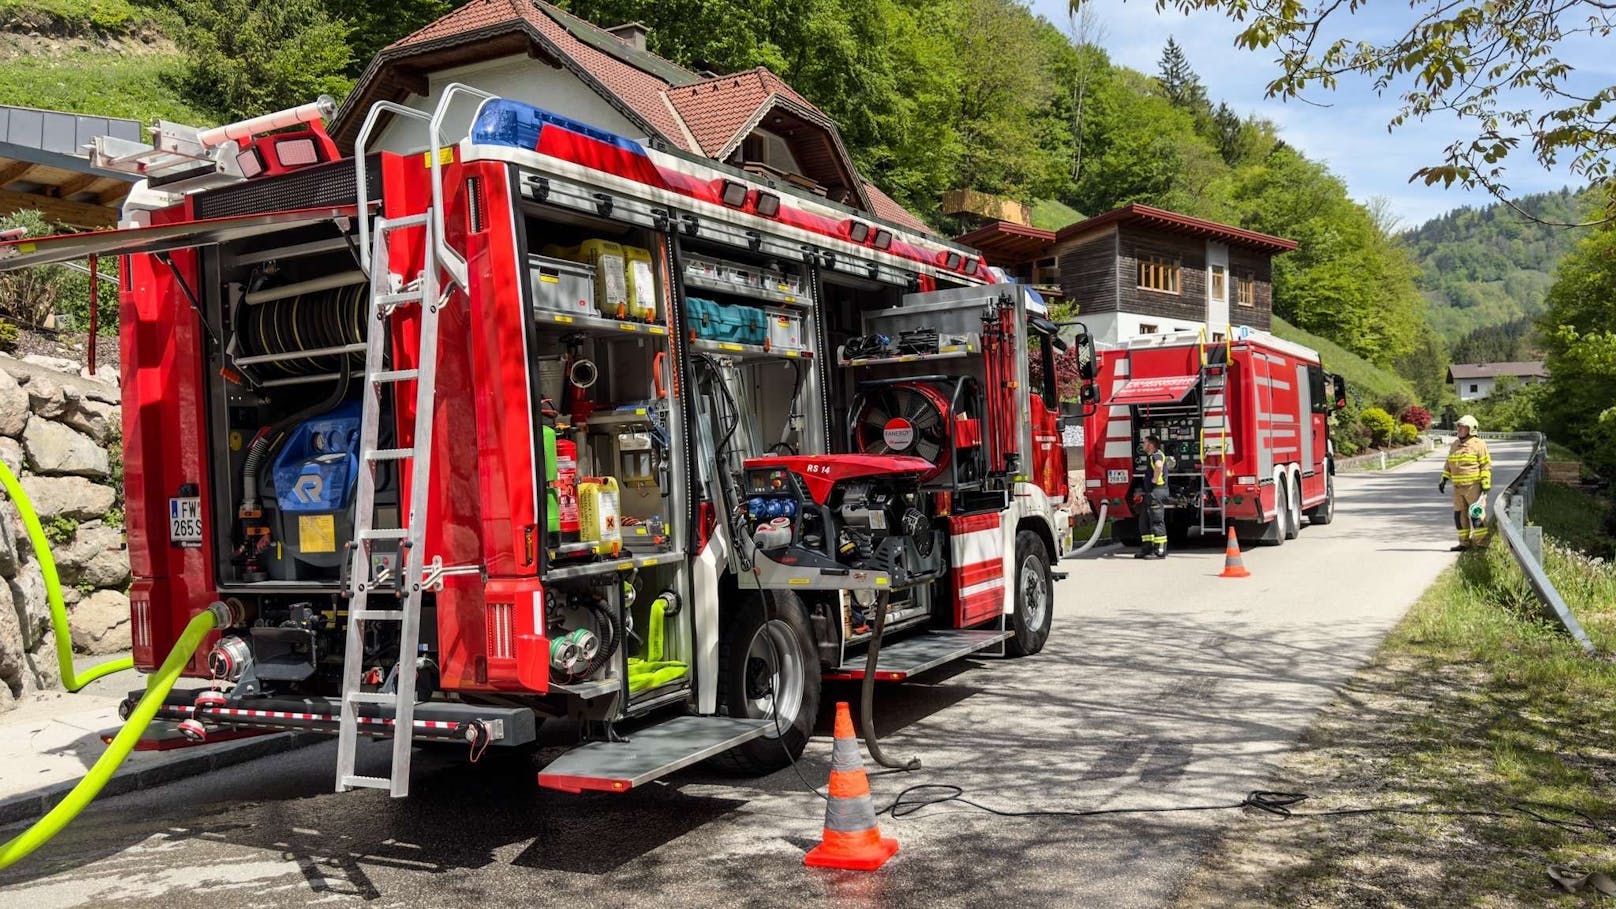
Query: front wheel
column 1293, row 508
column 1034, row 609
column 768, row 662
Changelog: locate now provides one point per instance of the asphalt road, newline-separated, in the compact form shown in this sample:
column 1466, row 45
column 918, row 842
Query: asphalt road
column 1162, row 686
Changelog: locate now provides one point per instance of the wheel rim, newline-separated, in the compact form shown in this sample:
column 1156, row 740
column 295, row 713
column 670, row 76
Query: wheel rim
column 1034, row 596
column 1329, row 497
column 774, row 675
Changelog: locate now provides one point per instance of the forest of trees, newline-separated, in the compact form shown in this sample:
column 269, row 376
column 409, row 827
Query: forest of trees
column 1482, row 268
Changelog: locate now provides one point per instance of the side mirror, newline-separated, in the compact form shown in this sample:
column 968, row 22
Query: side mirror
column 1085, row 356
column 1340, row 391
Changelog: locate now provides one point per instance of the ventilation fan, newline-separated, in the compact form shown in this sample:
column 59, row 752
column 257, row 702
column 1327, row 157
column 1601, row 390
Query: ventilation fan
column 914, row 419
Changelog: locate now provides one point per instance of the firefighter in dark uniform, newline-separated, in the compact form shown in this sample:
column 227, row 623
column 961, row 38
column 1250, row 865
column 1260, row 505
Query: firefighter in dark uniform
column 1153, row 510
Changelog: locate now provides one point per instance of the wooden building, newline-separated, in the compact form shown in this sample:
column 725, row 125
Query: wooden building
column 1139, row 270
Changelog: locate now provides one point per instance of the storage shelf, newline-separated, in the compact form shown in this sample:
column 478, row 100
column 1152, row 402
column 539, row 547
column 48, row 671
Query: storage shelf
column 623, row 416
column 627, row 563
column 760, row 294
column 748, row 351
column 946, row 352
column 598, row 325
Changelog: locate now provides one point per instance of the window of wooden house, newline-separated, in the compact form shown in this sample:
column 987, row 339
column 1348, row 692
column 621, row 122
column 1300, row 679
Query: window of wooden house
column 1217, row 337
column 1046, row 273
column 1245, row 288
column 1148, row 329
column 1159, row 273
column 1219, row 278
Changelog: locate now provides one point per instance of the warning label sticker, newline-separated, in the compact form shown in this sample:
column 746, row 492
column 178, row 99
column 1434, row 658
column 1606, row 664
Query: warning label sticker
column 316, row 533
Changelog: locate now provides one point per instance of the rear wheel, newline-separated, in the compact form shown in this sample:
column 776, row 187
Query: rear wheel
column 1325, row 512
column 1293, row 508
column 1125, row 531
column 766, row 658
column 1034, row 610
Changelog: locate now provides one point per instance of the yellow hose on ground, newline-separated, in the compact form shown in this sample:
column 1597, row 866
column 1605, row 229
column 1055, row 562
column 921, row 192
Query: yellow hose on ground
column 53, row 591
column 88, row 788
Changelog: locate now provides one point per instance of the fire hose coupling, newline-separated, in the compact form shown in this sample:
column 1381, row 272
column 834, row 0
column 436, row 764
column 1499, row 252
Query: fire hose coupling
column 229, row 658
column 228, row 613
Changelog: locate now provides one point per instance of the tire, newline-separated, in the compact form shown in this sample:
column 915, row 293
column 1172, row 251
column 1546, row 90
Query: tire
column 1034, row 610
column 1126, row 532
column 1293, row 508
column 1325, row 513
column 745, row 659
column 1271, row 532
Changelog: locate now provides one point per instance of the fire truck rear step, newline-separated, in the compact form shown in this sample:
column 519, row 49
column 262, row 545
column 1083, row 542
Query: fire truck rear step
column 899, row 660
column 649, row 753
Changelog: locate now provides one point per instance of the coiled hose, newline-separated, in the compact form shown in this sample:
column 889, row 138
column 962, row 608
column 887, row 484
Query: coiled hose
column 217, row 616
column 53, row 591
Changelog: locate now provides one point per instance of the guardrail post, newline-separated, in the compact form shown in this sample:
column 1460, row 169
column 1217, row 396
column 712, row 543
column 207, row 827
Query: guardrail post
column 1533, row 536
column 1383, row 460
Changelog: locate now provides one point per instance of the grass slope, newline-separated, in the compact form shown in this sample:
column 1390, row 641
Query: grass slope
column 1047, row 214
column 1369, row 382
column 100, row 57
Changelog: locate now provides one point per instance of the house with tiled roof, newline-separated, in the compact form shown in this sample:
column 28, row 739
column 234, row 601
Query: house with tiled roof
column 535, row 52
column 1478, row 381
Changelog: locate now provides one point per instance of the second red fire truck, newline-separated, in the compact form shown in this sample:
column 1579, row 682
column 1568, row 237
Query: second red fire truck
column 1244, row 423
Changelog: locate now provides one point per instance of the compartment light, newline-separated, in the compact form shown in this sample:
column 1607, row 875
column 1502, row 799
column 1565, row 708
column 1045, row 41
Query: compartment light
column 768, row 204
column 296, row 152
column 733, row 194
column 883, row 239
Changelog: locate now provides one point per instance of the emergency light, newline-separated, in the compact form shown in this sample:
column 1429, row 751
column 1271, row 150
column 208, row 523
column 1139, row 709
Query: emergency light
column 768, row 204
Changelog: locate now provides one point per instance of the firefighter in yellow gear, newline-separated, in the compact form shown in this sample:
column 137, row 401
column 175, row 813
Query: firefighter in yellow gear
column 1470, row 470
column 1153, row 510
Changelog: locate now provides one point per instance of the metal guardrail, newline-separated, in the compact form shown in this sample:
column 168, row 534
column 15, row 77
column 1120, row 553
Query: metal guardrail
column 1526, row 541
column 1379, row 460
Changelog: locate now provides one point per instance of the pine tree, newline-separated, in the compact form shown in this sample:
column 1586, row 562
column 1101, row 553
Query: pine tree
column 1179, row 81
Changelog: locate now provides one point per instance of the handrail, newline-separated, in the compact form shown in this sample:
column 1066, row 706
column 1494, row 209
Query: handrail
column 362, row 197
column 453, row 262
column 1514, row 503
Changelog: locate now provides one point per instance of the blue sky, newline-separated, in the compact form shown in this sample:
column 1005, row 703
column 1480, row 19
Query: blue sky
column 1350, row 133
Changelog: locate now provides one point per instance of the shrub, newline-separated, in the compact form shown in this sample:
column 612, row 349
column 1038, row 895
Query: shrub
column 8, row 336
column 1419, row 416
column 1405, row 434
column 1379, row 423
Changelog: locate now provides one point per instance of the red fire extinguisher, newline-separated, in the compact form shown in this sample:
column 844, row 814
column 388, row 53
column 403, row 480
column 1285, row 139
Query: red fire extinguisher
column 566, row 488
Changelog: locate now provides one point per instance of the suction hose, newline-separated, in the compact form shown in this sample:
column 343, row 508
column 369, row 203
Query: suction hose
column 867, row 692
column 1099, row 525
column 217, row 616
column 53, row 591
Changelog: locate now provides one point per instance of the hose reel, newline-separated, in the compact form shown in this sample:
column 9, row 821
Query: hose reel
column 311, row 321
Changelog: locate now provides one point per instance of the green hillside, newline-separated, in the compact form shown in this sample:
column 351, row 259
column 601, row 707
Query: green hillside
column 1369, row 383
column 1487, row 267
column 103, row 57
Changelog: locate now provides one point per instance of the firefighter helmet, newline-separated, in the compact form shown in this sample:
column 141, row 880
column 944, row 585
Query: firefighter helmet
column 1469, row 422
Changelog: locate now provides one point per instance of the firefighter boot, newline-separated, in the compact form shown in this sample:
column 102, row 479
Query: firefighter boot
column 1146, row 550
column 1161, row 550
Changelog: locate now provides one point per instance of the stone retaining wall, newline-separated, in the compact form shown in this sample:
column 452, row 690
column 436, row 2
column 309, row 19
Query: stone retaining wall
column 60, row 433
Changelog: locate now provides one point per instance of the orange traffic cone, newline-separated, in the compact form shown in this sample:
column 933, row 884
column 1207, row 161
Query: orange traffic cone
column 1233, row 567
column 852, row 840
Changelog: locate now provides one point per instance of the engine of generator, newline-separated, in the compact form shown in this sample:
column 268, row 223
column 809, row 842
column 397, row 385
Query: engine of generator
column 840, row 516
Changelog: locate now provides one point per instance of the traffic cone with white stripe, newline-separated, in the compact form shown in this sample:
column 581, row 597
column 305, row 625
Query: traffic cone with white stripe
column 1233, row 565
column 852, row 840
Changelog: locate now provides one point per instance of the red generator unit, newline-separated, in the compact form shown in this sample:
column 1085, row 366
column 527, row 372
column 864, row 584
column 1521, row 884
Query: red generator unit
column 1243, row 422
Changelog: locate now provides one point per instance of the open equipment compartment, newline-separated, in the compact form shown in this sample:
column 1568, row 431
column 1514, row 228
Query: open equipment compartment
column 612, row 437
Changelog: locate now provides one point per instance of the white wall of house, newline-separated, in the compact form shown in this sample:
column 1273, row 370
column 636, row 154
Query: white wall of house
column 1115, row 328
column 1217, row 297
column 518, row 77
column 1479, row 389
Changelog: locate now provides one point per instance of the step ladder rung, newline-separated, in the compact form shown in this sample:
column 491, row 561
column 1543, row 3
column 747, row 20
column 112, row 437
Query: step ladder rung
column 377, row 615
column 389, row 454
column 356, row 781
column 379, row 698
column 384, row 533
column 395, row 375
column 393, row 224
column 402, row 298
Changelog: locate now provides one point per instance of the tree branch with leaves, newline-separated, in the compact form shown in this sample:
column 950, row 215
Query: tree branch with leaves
column 1494, row 64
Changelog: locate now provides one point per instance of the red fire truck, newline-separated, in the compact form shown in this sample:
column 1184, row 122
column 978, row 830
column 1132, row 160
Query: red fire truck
column 547, row 423
column 1243, row 421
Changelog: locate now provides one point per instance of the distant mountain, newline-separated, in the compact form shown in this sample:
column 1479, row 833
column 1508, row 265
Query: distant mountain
column 1486, row 268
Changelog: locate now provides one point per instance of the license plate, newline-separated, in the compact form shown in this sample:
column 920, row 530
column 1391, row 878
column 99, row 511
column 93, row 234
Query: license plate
column 1116, row 476
column 185, row 521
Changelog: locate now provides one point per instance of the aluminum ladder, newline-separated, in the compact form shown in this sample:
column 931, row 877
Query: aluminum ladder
column 1215, row 411
column 401, row 584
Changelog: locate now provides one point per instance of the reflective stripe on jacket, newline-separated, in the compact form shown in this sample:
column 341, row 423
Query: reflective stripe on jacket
column 1158, row 469
column 1469, row 462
